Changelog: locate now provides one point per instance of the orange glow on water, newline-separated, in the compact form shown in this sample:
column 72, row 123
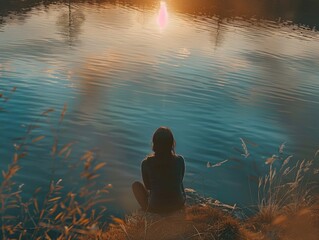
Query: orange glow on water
column 162, row 17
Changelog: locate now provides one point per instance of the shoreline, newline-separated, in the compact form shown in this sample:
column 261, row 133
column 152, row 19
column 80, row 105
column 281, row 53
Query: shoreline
column 206, row 218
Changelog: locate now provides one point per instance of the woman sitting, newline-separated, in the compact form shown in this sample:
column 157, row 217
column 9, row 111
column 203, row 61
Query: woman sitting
column 163, row 173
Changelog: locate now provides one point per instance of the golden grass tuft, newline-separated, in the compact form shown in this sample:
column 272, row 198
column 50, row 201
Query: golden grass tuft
column 58, row 214
column 194, row 222
column 288, row 200
column 300, row 225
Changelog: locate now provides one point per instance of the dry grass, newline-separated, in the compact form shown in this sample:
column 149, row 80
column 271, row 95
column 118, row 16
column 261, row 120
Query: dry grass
column 55, row 213
column 195, row 222
column 288, row 205
column 205, row 222
column 300, row 225
column 288, row 200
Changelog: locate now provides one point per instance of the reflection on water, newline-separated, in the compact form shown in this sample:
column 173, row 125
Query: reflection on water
column 162, row 17
column 69, row 23
column 93, row 78
column 217, row 34
column 213, row 80
column 304, row 12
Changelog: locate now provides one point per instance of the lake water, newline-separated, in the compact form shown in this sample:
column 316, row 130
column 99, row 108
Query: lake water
column 124, row 70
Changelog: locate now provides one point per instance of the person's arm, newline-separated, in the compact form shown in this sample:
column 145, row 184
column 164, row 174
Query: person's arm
column 183, row 166
column 145, row 176
column 183, row 173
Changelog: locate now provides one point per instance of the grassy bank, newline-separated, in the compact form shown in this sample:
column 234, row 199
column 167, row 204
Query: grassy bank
column 288, row 209
column 288, row 206
column 206, row 222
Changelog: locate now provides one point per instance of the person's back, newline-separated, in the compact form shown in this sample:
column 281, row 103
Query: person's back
column 163, row 173
column 164, row 179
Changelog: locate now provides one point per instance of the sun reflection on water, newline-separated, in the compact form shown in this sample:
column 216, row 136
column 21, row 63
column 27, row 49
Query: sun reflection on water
column 162, row 17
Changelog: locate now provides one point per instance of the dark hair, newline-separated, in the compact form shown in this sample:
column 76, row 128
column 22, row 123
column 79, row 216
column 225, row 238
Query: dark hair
column 163, row 142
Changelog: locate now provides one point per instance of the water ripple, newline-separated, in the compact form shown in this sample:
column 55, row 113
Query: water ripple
column 212, row 80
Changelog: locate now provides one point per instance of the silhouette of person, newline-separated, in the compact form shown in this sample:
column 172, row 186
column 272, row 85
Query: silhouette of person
column 162, row 173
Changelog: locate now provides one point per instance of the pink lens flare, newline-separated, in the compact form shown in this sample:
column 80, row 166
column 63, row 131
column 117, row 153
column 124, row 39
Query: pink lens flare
column 162, row 17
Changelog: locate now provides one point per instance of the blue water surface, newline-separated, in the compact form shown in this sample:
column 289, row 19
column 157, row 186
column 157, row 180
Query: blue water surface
column 122, row 73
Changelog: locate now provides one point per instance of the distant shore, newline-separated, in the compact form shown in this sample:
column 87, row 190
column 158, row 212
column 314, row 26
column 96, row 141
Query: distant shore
column 303, row 12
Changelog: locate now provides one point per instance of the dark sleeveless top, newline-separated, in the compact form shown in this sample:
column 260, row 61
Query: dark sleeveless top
column 164, row 179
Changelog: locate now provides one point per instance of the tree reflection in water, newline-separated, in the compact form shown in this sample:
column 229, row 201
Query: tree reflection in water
column 217, row 35
column 69, row 24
